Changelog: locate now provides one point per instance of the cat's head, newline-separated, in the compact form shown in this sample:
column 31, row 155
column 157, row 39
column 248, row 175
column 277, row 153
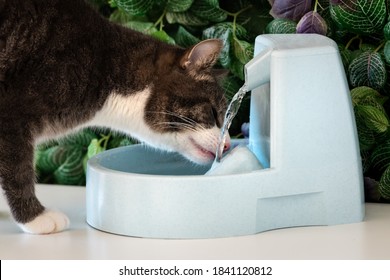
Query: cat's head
column 187, row 105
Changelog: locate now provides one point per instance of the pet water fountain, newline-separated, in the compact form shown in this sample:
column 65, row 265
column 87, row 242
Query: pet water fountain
column 302, row 130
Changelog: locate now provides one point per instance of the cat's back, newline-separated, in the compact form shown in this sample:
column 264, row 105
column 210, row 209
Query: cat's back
column 52, row 56
column 29, row 28
column 18, row 17
column 25, row 12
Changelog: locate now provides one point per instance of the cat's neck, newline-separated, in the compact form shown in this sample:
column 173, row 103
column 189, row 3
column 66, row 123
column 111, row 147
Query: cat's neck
column 135, row 60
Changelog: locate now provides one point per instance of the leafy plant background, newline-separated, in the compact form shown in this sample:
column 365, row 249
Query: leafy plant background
column 360, row 27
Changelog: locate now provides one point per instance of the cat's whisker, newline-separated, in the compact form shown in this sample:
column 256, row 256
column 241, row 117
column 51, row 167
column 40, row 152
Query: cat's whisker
column 177, row 125
column 191, row 125
column 180, row 125
column 185, row 119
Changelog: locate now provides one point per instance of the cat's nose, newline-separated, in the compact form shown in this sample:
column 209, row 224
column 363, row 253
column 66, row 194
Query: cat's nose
column 227, row 144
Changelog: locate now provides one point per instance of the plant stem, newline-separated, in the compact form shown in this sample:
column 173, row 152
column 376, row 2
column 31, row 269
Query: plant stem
column 235, row 15
column 351, row 41
column 380, row 46
column 315, row 6
column 319, row 5
column 160, row 20
column 104, row 139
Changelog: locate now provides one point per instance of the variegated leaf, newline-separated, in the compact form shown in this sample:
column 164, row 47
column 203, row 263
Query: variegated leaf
column 281, row 26
column 368, row 69
column 134, row 7
column 359, row 16
column 178, row 6
column 384, row 184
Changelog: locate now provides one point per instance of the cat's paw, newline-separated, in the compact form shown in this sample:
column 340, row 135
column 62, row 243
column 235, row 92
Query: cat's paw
column 48, row 222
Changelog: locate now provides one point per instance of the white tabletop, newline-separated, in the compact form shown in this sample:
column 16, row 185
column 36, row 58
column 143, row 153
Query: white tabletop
column 365, row 240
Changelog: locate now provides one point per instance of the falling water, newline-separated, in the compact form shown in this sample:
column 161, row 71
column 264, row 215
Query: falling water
column 231, row 112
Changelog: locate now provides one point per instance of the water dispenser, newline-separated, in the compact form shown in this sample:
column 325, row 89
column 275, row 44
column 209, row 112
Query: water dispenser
column 303, row 132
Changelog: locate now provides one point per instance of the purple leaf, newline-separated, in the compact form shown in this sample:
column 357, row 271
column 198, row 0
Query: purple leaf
column 371, row 192
column 290, row 9
column 312, row 22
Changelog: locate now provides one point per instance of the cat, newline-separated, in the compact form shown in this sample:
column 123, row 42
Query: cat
column 64, row 67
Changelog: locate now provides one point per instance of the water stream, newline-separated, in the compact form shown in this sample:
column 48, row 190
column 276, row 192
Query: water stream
column 231, row 112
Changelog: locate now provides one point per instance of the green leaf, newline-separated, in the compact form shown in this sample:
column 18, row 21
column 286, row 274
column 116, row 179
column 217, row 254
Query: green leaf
column 367, row 47
column 368, row 69
column 230, row 86
column 62, row 165
column 178, row 5
column 120, row 16
column 224, row 32
column 85, row 162
column 384, row 184
column 94, row 148
column 386, row 31
column 243, row 50
column 235, row 52
column 82, row 138
column 186, row 18
column 134, row 7
column 254, row 20
column 71, row 172
column 237, row 68
column 346, row 56
column 144, row 27
column 116, row 142
column 359, row 16
column 112, row 3
column 366, row 135
column 374, row 118
column 380, row 157
column 240, row 31
column 386, row 52
column 163, row 36
column 49, row 160
column 209, row 9
column 184, row 38
column 63, row 162
column 368, row 96
column 281, row 26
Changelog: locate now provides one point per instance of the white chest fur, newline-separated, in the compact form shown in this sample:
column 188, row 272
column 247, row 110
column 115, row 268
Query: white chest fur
column 126, row 114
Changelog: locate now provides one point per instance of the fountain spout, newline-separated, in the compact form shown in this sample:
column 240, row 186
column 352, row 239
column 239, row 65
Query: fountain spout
column 257, row 71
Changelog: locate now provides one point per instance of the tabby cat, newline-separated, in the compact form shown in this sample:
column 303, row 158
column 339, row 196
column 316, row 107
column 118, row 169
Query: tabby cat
column 63, row 67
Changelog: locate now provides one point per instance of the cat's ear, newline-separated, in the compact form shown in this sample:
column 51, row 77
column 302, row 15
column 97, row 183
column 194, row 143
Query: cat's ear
column 202, row 56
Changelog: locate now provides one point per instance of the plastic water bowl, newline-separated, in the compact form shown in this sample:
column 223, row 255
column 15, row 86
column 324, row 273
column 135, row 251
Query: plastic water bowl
column 139, row 191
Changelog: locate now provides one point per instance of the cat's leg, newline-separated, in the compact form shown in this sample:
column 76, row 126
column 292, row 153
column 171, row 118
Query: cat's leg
column 17, row 178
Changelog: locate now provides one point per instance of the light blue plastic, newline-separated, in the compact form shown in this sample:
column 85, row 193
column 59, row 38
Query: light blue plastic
column 302, row 129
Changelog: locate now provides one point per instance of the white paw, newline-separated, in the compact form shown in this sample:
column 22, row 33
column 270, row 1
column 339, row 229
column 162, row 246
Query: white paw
column 48, row 222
